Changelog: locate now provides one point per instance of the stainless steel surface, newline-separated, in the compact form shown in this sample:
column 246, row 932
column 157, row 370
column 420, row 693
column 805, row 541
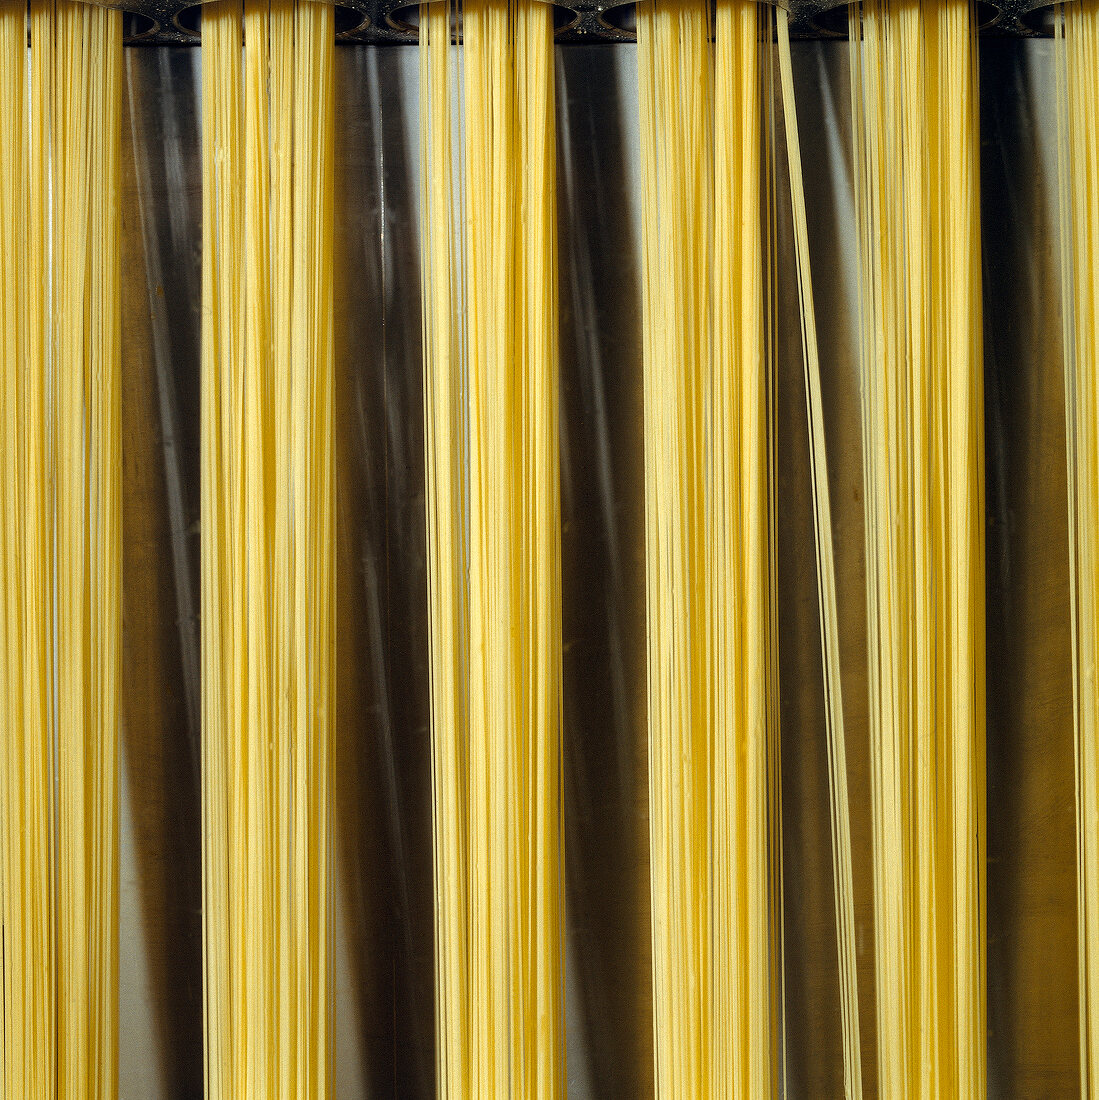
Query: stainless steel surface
column 384, row 1010
column 602, row 482
column 1031, row 830
column 383, row 750
column 161, row 934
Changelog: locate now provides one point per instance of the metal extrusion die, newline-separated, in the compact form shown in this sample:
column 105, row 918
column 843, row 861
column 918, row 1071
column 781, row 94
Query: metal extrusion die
column 393, row 22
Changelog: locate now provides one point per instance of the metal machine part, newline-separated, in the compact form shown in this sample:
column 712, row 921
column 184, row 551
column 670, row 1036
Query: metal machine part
column 393, row 22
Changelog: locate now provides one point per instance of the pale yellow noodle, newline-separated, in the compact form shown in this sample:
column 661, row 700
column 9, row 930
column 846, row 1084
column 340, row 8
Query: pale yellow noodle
column 1077, row 61
column 446, row 459
column 674, row 88
column 60, row 548
column 707, row 264
column 840, row 810
column 843, row 873
column 490, row 372
column 267, row 546
column 914, row 100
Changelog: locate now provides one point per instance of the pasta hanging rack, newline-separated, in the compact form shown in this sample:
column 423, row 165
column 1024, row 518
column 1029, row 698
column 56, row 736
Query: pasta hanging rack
column 392, row 22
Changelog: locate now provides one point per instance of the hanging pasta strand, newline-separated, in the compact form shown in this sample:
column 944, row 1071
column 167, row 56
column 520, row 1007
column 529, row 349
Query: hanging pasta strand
column 490, row 382
column 446, row 458
column 267, row 546
column 60, row 546
column 1078, row 139
column 674, row 90
column 738, row 481
column 715, row 838
column 915, row 122
column 839, row 804
column 60, row 550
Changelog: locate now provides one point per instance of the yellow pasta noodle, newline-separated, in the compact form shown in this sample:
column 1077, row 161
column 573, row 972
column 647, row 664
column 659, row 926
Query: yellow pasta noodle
column 914, row 99
column 709, row 362
column 713, row 715
column 60, row 552
column 490, row 384
column 1078, row 138
column 840, row 810
column 267, row 546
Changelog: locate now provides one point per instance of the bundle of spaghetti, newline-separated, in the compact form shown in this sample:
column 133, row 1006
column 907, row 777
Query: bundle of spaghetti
column 1077, row 61
column 915, row 130
column 676, row 104
column 715, row 843
column 713, row 717
column 267, row 545
column 828, row 610
column 490, row 381
column 446, row 459
column 60, row 552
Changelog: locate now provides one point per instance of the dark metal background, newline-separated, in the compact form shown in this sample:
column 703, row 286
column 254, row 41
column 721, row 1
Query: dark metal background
column 384, row 1011
column 394, row 22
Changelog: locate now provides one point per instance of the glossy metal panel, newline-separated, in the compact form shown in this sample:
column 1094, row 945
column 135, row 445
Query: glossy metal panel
column 603, row 544
column 386, row 1037
column 161, row 934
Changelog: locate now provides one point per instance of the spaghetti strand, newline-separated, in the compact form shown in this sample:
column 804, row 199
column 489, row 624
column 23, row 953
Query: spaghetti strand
column 267, row 546
column 60, row 546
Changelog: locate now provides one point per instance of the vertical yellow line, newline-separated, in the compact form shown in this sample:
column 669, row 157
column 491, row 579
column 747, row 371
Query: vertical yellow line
column 914, row 104
column 675, row 74
column 745, row 1022
column 105, row 498
column 258, row 933
column 539, row 500
column 69, row 373
column 61, row 547
column 445, row 463
column 27, row 889
column 281, row 870
column 1077, row 53
column 312, row 539
column 489, row 1040
column 494, row 548
column 41, row 616
column 222, row 653
column 964, row 823
column 268, row 514
column 715, row 830
column 842, row 872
